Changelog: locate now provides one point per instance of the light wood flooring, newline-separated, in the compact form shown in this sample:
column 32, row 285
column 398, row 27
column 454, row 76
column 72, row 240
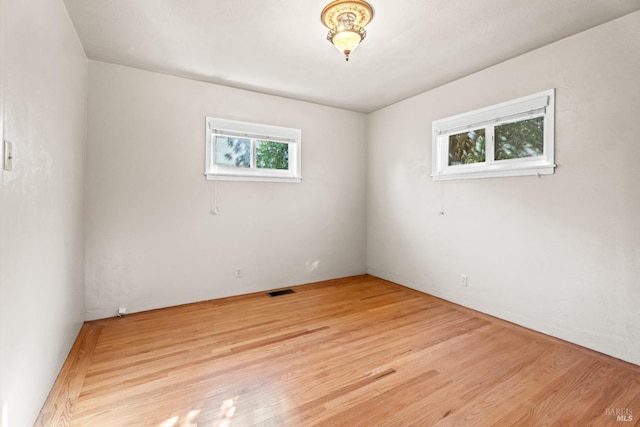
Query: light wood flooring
column 358, row 351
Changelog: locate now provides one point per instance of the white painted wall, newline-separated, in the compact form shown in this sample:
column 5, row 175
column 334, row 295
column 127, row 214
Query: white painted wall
column 150, row 240
column 559, row 254
column 44, row 89
column 4, row 354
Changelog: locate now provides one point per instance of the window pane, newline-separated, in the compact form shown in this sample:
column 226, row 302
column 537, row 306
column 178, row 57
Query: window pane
column 272, row 155
column 233, row 151
column 467, row 147
column 520, row 139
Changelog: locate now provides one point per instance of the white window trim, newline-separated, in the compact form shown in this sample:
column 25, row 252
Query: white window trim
column 537, row 105
column 291, row 136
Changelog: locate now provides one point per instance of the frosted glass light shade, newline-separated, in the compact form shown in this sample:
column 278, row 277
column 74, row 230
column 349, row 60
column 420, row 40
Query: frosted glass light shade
column 346, row 41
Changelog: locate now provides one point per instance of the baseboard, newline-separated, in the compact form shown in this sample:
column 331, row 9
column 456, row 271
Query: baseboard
column 581, row 338
column 136, row 307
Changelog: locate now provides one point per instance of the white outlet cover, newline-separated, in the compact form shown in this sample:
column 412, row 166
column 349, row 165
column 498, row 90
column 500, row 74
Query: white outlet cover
column 8, row 156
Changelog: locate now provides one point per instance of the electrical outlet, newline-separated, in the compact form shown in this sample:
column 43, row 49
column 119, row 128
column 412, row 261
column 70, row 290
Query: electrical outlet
column 463, row 280
column 8, row 156
column 238, row 273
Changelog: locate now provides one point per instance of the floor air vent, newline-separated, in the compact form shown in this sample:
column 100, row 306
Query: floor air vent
column 282, row 292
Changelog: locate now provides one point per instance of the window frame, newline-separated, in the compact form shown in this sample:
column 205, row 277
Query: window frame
column 255, row 132
column 540, row 104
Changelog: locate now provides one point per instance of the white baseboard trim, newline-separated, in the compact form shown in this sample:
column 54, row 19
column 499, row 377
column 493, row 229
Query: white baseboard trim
column 136, row 307
column 585, row 339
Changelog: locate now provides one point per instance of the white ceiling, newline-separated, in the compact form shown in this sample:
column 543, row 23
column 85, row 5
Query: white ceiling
column 279, row 46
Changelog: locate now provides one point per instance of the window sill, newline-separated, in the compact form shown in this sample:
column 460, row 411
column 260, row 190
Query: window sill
column 533, row 170
column 256, row 178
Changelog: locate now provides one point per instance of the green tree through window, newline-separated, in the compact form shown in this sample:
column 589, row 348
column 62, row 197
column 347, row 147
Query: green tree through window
column 272, row 155
column 467, row 147
column 239, row 153
column 520, row 139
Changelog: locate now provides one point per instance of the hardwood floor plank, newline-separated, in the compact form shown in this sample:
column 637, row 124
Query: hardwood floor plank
column 63, row 397
column 358, row 351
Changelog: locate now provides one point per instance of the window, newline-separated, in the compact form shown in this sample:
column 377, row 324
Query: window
column 510, row 139
column 242, row 151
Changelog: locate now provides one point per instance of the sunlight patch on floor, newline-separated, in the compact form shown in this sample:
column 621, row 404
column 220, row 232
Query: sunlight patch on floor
column 225, row 413
column 227, row 409
column 169, row 422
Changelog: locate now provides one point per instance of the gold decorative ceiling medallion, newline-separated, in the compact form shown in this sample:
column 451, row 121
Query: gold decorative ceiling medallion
column 346, row 20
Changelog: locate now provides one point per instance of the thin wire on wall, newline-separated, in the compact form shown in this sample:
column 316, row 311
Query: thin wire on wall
column 214, row 198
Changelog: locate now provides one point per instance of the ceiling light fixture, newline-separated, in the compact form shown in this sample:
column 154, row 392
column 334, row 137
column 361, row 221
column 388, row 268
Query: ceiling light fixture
column 346, row 20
